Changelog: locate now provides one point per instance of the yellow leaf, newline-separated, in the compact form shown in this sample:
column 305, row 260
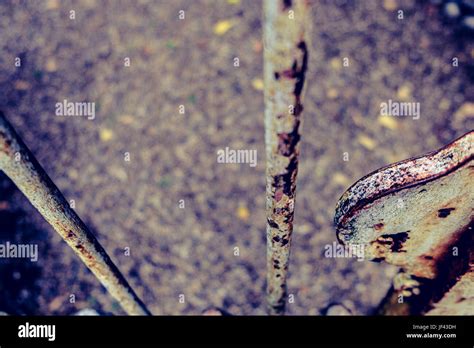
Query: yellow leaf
column 243, row 213
column 340, row 179
column 223, row 27
column 388, row 122
column 366, row 142
column 106, row 135
column 233, row 2
column 257, row 84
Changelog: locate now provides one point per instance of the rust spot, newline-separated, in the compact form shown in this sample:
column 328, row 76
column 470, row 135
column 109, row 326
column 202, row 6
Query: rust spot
column 287, row 4
column 278, row 195
column 286, row 181
column 70, row 234
column 287, row 142
column 379, row 226
column 297, row 72
column 393, row 241
column 290, row 73
column 273, row 224
column 301, row 73
column 6, row 143
column 298, row 109
column 442, row 213
column 398, row 239
column 381, row 241
column 83, row 252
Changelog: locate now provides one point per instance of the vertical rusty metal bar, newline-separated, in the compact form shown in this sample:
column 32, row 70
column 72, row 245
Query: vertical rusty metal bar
column 19, row 164
column 286, row 33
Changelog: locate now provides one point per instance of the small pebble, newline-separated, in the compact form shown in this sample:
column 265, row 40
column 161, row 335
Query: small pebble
column 390, row 5
column 332, row 93
column 338, row 309
column 51, row 65
column 52, row 4
column 452, row 10
column 22, row 85
column 87, row 312
column 468, row 22
column 404, row 92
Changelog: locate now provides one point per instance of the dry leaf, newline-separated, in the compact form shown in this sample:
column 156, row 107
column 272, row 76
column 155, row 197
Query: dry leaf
column 257, row 84
column 366, row 142
column 223, row 27
column 106, row 135
column 388, row 122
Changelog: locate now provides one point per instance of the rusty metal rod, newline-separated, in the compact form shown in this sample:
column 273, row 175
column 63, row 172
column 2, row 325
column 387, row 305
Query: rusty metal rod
column 20, row 165
column 286, row 32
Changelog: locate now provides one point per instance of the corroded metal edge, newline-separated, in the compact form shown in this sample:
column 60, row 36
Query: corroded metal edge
column 404, row 174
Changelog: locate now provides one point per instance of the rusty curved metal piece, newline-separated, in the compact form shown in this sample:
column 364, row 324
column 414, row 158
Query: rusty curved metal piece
column 415, row 214
column 20, row 165
column 419, row 204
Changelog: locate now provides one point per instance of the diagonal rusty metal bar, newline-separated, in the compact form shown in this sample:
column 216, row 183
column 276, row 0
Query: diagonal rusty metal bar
column 286, row 33
column 416, row 214
column 20, row 165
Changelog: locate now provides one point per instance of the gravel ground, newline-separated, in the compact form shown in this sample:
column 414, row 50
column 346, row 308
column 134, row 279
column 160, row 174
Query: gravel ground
column 135, row 204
